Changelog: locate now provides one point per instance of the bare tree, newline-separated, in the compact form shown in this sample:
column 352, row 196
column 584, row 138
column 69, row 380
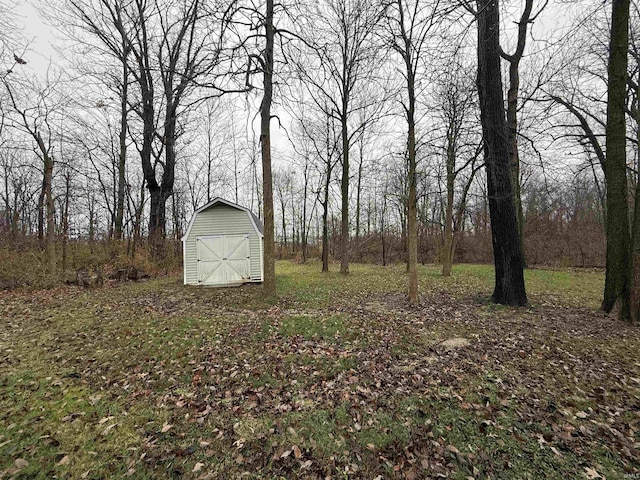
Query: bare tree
column 35, row 107
column 410, row 24
column 110, row 22
column 341, row 51
column 457, row 104
column 509, row 264
column 526, row 19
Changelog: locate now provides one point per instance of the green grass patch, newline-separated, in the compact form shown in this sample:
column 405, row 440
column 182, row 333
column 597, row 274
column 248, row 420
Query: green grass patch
column 311, row 327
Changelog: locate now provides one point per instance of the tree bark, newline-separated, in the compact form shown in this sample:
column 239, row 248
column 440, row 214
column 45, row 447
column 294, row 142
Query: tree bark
column 344, row 189
column 635, row 277
column 406, row 50
column 41, row 214
column 122, row 158
column 50, row 207
column 305, row 228
column 617, row 288
column 359, row 189
column 447, row 253
column 65, row 220
column 512, row 117
column 325, row 220
column 265, row 140
column 509, row 265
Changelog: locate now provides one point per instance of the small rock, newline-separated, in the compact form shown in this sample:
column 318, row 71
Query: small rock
column 456, row 342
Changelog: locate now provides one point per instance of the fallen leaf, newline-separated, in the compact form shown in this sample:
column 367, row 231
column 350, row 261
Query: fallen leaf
column 166, row 427
column 296, row 452
column 555, row 450
column 591, row 473
column 20, row 463
column 285, row 454
column 106, row 430
column 63, row 461
column 197, row 467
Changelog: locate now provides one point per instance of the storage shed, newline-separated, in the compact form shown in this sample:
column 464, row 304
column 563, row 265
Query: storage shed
column 223, row 246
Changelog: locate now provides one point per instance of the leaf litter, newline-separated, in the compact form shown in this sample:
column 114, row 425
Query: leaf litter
column 202, row 384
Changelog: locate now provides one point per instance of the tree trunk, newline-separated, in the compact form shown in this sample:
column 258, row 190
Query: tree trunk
column 512, row 118
column 157, row 220
column 325, row 219
column 344, row 188
column 617, row 282
column 283, row 245
column 92, row 221
column 65, row 221
column 305, row 228
column 635, row 277
column 41, row 214
column 51, row 234
column 635, row 231
column 123, row 149
column 447, row 250
column 412, row 220
column 265, row 140
column 509, row 276
column 137, row 222
column 359, row 191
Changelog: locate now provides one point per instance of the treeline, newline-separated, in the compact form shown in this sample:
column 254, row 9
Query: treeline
column 360, row 130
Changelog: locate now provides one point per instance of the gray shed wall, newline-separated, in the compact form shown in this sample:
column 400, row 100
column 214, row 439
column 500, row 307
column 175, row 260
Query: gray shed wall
column 221, row 219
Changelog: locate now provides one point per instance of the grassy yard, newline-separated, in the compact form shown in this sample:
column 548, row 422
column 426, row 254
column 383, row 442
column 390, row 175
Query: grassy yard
column 339, row 378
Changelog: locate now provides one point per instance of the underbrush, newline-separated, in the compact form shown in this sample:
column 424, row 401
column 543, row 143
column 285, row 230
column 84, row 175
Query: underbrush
column 23, row 263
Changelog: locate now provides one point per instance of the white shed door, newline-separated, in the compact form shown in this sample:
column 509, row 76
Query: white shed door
column 223, row 259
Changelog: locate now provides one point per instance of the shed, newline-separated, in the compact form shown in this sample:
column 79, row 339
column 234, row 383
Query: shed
column 223, row 245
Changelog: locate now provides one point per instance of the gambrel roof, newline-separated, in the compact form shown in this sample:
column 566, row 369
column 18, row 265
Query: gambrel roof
column 257, row 223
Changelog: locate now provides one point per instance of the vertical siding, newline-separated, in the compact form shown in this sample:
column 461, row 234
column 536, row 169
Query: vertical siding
column 221, row 219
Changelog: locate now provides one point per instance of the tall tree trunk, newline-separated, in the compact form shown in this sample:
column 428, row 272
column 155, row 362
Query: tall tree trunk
column 325, row 220
column 359, row 191
column 509, row 276
column 137, row 222
column 412, row 214
column 51, row 234
column 65, row 220
column 617, row 281
column 344, row 189
column 283, row 245
column 512, row 123
column 7, row 204
column 265, row 140
column 123, row 148
column 305, row 228
column 635, row 277
column 512, row 117
column 447, row 250
column 41, row 214
column 293, row 222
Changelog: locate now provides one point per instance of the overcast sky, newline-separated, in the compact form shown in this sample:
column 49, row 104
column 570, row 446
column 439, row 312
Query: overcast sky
column 41, row 50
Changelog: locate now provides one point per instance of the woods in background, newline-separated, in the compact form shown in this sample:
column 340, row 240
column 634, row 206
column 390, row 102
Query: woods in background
column 360, row 131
